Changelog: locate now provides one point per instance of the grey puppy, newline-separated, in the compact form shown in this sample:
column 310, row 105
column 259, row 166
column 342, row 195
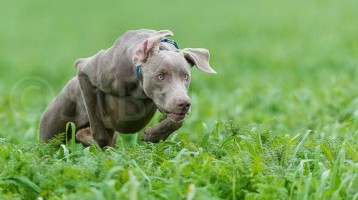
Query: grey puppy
column 120, row 89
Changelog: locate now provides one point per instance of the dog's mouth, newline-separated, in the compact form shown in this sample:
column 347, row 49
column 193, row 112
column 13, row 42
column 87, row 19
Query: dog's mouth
column 176, row 117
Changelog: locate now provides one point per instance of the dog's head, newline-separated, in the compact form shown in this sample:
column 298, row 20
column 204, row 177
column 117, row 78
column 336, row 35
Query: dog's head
column 166, row 74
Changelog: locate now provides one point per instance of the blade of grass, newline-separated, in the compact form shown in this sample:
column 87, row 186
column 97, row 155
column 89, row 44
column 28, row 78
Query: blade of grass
column 25, row 182
column 73, row 135
column 298, row 147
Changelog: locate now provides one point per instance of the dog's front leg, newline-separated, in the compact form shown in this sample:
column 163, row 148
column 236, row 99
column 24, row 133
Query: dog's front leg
column 161, row 131
column 90, row 97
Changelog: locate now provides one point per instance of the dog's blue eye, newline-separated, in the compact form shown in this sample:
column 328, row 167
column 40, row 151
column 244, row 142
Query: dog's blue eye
column 186, row 77
column 160, row 77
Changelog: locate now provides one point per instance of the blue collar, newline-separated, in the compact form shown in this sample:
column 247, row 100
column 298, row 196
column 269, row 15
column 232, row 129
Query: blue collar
column 170, row 42
column 137, row 72
column 137, row 67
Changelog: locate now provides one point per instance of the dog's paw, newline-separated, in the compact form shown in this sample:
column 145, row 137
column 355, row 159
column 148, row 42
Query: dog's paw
column 150, row 136
column 85, row 136
column 153, row 135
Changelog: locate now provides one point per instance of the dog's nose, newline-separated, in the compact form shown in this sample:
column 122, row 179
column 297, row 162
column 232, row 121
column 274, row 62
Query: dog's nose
column 183, row 105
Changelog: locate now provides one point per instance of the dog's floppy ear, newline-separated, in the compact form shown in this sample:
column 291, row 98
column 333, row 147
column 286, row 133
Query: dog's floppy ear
column 198, row 57
column 149, row 46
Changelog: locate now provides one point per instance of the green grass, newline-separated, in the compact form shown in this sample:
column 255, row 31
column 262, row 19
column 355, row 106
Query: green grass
column 278, row 121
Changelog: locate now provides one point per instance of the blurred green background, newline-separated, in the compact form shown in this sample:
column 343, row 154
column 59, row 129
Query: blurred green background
column 288, row 66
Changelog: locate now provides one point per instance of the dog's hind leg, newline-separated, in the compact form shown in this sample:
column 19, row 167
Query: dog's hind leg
column 84, row 136
column 59, row 112
column 55, row 118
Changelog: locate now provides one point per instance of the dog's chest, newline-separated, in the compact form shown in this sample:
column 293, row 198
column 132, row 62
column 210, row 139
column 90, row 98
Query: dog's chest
column 125, row 114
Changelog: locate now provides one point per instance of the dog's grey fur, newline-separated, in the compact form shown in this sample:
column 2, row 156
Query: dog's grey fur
column 106, row 96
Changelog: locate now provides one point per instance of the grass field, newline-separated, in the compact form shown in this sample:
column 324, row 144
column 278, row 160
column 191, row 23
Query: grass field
column 278, row 121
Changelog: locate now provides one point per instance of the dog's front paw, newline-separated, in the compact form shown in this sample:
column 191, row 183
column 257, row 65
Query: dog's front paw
column 151, row 136
column 156, row 134
column 85, row 136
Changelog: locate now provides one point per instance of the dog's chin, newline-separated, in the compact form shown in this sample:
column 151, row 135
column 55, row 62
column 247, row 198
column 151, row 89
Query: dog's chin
column 176, row 117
